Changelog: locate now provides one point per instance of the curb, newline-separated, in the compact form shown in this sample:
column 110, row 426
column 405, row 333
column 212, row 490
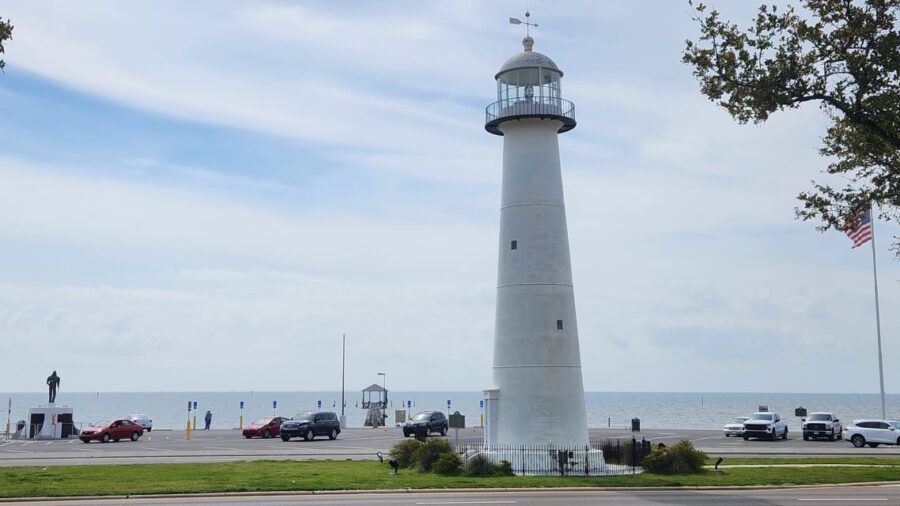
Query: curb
column 289, row 493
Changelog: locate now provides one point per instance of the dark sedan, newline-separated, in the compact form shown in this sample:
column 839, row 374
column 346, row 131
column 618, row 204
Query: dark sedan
column 311, row 424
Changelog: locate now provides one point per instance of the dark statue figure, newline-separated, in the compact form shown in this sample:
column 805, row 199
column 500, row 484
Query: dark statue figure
column 53, row 382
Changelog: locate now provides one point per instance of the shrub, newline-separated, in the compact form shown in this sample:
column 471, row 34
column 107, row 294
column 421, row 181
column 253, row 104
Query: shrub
column 480, row 465
column 621, row 452
column 448, row 464
column 406, row 452
column 680, row 458
column 429, row 452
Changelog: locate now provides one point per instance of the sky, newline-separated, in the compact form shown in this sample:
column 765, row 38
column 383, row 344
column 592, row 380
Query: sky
column 206, row 195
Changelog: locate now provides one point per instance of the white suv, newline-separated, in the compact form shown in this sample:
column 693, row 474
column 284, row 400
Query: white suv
column 873, row 433
column 144, row 421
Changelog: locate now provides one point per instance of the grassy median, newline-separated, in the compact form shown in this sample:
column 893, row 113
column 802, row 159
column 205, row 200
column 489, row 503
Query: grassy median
column 257, row 476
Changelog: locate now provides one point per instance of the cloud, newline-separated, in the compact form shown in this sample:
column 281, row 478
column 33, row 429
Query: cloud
column 384, row 223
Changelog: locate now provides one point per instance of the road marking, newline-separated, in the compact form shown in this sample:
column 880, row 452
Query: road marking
column 468, row 502
column 19, row 451
column 48, row 442
column 843, row 499
column 222, row 448
column 7, row 444
column 27, row 443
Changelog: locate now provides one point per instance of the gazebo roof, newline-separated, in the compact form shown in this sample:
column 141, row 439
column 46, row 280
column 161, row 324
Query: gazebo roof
column 374, row 387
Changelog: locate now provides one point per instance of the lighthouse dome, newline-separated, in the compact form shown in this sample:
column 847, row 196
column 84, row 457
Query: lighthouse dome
column 528, row 59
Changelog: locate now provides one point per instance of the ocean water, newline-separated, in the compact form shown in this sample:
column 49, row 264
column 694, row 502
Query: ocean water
column 616, row 409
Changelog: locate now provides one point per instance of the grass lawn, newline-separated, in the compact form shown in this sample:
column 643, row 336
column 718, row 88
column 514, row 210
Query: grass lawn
column 355, row 475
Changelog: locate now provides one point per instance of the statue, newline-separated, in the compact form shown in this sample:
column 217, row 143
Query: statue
column 53, row 382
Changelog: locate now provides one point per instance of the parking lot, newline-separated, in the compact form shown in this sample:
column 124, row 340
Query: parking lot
column 228, row 445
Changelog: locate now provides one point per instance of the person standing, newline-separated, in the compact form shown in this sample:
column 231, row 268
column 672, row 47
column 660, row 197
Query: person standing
column 208, row 419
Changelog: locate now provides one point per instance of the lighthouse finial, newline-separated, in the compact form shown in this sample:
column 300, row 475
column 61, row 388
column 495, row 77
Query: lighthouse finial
column 528, row 42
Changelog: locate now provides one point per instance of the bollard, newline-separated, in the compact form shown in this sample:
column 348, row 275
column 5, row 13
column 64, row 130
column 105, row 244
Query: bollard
column 241, row 422
column 187, row 430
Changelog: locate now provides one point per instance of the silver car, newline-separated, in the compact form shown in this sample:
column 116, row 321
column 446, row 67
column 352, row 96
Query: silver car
column 735, row 427
column 142, row 420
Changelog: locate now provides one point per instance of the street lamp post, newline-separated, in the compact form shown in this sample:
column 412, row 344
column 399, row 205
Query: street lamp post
column 384, row 408
column 343, row 376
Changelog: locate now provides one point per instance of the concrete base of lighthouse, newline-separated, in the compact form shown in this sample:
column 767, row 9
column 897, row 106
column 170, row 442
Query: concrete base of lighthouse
column 537, row 457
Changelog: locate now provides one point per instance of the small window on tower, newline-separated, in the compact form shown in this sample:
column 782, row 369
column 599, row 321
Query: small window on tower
column 514, row 245
column 559, row 325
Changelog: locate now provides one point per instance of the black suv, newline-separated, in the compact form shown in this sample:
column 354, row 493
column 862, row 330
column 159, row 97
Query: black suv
column 431, row 421
column 311, row 424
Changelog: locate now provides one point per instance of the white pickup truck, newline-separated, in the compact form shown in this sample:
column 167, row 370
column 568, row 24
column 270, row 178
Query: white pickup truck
column 765, row 425
column 818, row 425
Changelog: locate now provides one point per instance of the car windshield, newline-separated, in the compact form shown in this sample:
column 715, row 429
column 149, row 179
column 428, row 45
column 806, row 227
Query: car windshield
column 818, row 417
column 303, row 417
column 737, row 420
column 103, row 423
column 762, row 416
column 895, row 424
column 262, row 421
column 422, row 416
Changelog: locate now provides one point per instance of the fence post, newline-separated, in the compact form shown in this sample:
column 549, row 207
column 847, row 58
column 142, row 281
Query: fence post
column 633, row 453
column 524, row 454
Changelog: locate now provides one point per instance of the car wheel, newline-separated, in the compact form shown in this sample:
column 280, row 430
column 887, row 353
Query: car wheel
column 443, row 431
column 285, row 438
column 267, row 434
column 873, row 445
column 784, row 436
column 746, row 438
column 135, row 436
column 840, row 436
column 105, row 438
column 248, row 437
column 332, row 434
column 405, row 434
column 858, row 441
column 428, row 430
column 831, row 436
column 805, row 437
column 309, row 435
column 85, row 441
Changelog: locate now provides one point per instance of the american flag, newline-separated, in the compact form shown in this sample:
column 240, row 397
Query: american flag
column 861, row 232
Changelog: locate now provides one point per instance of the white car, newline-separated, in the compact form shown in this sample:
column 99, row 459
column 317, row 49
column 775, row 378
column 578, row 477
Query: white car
column 735, row 427
column 873, row 433
column 144, row 421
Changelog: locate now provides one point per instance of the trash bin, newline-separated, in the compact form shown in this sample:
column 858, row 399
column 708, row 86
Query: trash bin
column 635, row 425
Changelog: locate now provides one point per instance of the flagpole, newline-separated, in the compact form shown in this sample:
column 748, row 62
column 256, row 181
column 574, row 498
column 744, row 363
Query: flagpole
column 877, row 316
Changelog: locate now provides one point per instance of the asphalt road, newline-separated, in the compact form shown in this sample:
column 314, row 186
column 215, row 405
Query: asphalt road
column 228, row 445
column 881, row 494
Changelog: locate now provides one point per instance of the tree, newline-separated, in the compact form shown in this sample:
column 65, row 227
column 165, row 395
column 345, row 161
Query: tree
column 6, row 29
column 843, row 55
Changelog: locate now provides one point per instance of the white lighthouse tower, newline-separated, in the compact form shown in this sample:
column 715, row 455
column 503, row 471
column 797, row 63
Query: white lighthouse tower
column 538, row 399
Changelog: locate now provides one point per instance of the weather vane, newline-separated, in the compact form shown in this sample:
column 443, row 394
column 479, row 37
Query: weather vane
column 517, row 21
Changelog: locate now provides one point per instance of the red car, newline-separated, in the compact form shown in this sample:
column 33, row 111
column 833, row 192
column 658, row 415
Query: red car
column 103, row 431
column 265, row 428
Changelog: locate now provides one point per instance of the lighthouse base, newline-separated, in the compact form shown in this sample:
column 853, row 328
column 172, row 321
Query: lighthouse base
column 550, row 460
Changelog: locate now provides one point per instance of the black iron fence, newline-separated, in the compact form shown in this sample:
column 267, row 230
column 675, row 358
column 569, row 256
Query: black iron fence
column 600, row 457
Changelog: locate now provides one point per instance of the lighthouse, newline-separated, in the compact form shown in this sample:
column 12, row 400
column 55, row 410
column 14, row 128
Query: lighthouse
column 538, row 394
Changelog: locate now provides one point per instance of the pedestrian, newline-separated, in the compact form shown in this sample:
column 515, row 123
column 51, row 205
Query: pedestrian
column 208, row 419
